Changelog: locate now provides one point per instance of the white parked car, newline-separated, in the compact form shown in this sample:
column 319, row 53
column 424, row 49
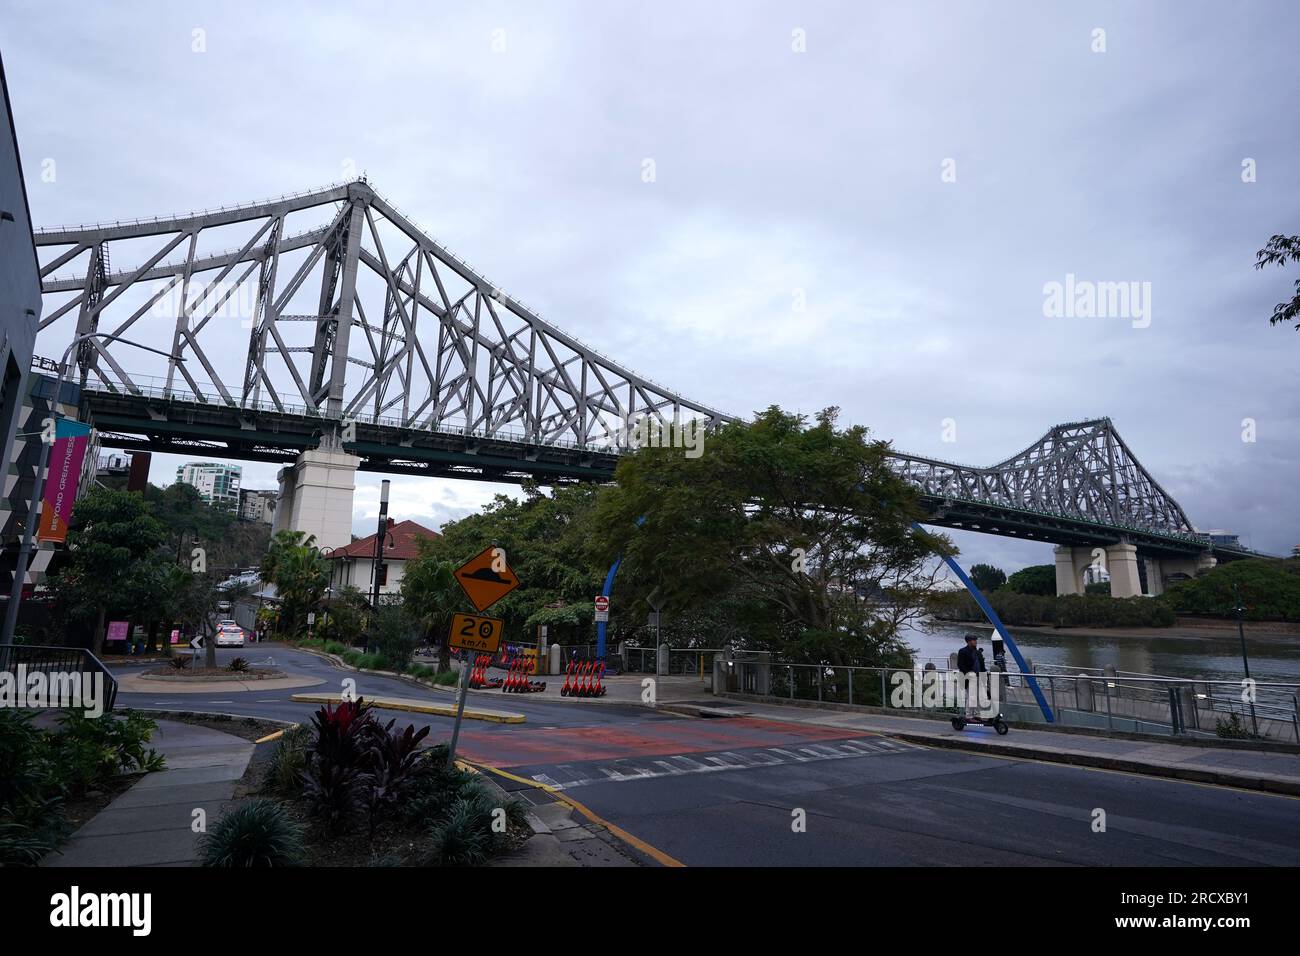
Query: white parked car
column 229, row 634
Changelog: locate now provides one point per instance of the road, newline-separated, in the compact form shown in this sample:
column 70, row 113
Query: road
column 733, row 791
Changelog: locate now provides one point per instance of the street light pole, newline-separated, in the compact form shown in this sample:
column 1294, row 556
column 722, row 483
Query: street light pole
column 38, row 489
column 379, row 541
column 1245, row 661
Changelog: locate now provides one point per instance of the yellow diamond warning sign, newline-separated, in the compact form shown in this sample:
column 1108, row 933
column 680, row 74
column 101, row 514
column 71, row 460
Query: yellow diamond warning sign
column 486, row 578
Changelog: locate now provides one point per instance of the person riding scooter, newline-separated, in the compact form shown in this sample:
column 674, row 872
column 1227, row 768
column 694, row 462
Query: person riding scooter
column 970, row 661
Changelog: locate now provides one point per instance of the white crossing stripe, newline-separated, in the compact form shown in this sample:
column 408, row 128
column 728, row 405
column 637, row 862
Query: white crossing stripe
column 677, row 764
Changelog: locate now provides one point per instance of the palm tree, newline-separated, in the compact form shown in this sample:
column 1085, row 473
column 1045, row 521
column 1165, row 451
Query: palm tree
column 301, row 577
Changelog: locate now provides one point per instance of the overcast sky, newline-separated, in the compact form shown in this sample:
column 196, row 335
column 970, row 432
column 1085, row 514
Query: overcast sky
column 914, row 174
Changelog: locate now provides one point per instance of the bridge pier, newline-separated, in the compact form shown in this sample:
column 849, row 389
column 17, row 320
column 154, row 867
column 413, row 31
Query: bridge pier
column 1122, row 564
column 316, row 495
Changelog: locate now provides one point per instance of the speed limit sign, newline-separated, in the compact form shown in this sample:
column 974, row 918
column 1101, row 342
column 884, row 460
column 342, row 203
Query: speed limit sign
column 476, row 633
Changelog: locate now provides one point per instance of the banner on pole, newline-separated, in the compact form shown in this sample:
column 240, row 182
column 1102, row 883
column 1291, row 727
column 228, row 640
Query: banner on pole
column 71, row 439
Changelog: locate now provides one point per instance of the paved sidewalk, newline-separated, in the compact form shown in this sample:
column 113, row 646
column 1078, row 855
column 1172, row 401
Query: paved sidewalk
column 1264, row 770
column 150, row 824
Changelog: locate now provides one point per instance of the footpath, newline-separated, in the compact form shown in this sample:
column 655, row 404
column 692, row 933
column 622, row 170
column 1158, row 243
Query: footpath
column 150, row 824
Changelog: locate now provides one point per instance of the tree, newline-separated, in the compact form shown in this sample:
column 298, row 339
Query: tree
column 282, row 542
column 300, row 576
column 431, row 595
column 803, row 528
column 113, row 559
column 545, row 540
column 986, row 577
column 1279, row 251
column 1036, row 579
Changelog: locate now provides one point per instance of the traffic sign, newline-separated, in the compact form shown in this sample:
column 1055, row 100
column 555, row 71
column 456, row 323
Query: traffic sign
column 476, row 633
column 196, row 642
column 486, row 578
column 602, row 608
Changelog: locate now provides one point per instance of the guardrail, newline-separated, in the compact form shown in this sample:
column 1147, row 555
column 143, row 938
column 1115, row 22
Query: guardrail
column 1145, row 704
column 58, row 664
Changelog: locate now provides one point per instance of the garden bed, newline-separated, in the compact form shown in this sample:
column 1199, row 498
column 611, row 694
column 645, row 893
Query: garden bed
column 352, row 791
column 201, row 674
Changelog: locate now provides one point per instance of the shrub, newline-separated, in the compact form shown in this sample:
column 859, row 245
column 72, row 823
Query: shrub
column 179, row 662
column 283, row 774
column 256, row 832
column 421, row 672
column 393, row 757
column 1232, row 727
column 351, row 657
column 334, row 775
column 446, row 678
column 239, row 665
column 461, row 837
column 395, row 639
column 334, row 647
column 30, row 792
column 23, row 844
column 90, row 751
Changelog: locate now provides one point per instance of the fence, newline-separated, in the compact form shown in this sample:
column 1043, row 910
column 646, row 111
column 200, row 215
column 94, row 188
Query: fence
column 1127, row 702
column 58, row 665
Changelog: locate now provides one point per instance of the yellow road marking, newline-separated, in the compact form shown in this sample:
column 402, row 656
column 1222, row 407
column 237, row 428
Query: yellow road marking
column 654, row 853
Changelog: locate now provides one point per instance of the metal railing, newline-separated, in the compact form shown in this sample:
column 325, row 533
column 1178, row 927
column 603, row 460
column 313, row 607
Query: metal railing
column 1143, row 703
column 57, row 663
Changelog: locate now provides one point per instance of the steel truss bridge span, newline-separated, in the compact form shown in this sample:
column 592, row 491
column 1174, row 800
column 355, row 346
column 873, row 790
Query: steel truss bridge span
column 329, row 319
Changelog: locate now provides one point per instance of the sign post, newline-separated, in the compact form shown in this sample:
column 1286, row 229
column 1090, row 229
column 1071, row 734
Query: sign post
column 485, row 579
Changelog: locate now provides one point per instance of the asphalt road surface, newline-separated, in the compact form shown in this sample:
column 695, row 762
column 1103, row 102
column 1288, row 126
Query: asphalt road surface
column 747, row 791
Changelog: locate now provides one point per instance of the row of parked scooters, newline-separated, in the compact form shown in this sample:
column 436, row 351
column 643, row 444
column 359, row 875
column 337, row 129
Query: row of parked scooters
column 581, row 678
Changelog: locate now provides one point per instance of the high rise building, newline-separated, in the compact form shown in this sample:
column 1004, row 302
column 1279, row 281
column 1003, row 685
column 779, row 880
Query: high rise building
column 218, row 483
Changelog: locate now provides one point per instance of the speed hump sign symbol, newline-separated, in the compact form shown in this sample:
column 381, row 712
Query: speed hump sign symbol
column 476, row 633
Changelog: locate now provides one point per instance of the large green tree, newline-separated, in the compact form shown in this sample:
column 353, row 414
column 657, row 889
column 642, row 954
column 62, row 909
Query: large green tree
column 986, row 577
column 801, row 529
column 114, row 560
column 1035, row 579
column 545, row 540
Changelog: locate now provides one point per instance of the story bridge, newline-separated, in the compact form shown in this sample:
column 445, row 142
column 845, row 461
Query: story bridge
column 328, row 332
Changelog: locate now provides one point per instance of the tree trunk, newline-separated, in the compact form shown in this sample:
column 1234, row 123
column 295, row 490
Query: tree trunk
column 444, row 656
column 97, row 639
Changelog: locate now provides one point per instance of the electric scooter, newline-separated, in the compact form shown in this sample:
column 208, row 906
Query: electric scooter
column 997, row 723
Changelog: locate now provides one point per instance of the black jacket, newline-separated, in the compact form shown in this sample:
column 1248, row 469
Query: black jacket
column 968, row 660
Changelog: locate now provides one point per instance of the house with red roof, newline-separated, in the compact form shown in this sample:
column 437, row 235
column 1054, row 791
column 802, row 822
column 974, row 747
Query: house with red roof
column 354, row 564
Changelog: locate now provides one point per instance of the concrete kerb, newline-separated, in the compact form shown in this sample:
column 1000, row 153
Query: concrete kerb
column 412, row 706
